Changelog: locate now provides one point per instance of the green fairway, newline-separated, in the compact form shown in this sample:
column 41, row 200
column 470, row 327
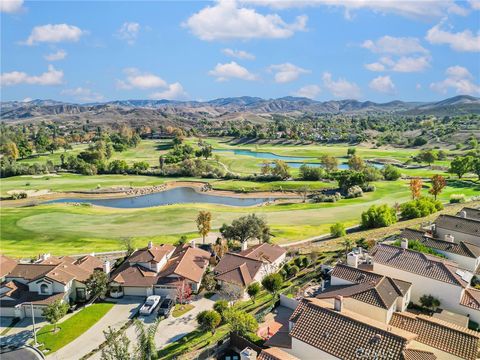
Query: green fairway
column 68, row 229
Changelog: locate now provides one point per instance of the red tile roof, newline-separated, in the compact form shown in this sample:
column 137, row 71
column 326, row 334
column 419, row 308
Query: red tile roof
column 6, row 265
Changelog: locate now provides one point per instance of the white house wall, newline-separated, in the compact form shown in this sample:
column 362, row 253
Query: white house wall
column 305, row 351
column 458, row 236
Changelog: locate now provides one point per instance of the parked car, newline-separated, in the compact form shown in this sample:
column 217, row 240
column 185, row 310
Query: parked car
column 150, row 304
column 165, row 307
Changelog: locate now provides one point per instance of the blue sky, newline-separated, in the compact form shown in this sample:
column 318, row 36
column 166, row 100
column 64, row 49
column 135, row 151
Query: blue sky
column 323, row 49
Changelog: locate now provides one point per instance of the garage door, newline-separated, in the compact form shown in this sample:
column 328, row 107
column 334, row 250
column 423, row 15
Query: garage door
column 7, row 311
column 134, row 291
column 37, row 310
column 165, row 292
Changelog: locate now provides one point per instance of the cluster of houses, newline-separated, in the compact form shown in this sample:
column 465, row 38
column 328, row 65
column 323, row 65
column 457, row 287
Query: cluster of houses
column 362, row 313
column 28, row 288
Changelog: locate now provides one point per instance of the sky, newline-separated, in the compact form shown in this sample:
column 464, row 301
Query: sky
column 380, row 50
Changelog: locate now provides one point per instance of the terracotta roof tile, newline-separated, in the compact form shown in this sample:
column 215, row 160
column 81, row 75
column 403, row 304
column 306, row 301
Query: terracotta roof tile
column 7, row 264
column 155, row 253
column 230, row 264
column 238, row 275
column 275, row 353
column 264, row 252
column 418, row 263
column 458, row 224
column 472, row 213
column 414, row 354
column 439, row 334
column 471, row 298
column 342, row 334
column 20, row 294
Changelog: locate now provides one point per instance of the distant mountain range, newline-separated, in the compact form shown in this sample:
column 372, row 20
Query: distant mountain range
column 227, row 108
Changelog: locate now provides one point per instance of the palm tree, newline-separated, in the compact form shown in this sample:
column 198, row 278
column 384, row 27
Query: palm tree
column 347, row 243
column 203, row 223
column 146, row 349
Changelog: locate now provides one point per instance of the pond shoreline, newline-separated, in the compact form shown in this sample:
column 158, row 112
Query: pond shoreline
column 131, row 192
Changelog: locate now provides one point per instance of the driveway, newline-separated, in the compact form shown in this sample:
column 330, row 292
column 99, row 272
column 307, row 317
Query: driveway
column 93, row 337
column 21, row 333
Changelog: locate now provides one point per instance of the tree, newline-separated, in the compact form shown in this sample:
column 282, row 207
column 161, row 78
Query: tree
column 253, row 289
column 329, row 163
column 146, row 349
column 416, row 187
column 476, row 166
column 429, row 302
column 391, row 172
column 338, row 230
column 378, row 216
column 356, row 163
column 266, row 168
column 438, row 183
column 183, row 291
column 427, row 156
column 303, row 192
column 351, row 151
column 97, row 284
column 54, row 312
column 118, row 166
column 161, row 162
column 240, row 322
column 129, row 246
column 209, row 282
column 10, row 150
column 281, row 169
column 460, row 165
column 116, row 345
column 182, row 240
column 209, row 320
column 347, row 179
column 246, row 228
column 347, row 244
column 220, row 247
column 310, row 173
column 204, row 219
column 419, row 208
column 273, row 283
column 220, row 306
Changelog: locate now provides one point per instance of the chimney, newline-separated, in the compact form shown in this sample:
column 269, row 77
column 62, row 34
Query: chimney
column 462, row 214
column 352, row 259
column 338, row 303
column 449, row 238
column 404, row 243
column 44, row 257
column 244, row 245
column 192, row 244
column 248, row 354
column 107, row 267
column 150, row 245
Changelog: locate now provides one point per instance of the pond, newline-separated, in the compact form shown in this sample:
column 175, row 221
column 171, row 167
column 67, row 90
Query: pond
column 293, row 161
column 180, row 195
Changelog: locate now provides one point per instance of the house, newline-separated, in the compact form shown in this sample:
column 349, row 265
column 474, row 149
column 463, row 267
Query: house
column 367, row 293
column 275, row 353
column 460, row 227
column 238, row 270
column 41, row 283
column 160, row 270
column 322, row 330
column 429, row 275
column 465, row 254
column 6, row 266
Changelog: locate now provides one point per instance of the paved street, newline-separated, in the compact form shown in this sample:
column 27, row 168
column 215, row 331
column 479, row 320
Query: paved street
column 93, row 337
column 21, row 333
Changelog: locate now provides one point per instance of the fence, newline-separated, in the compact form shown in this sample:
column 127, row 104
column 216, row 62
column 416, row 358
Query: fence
column 239, row 342
column 288, row 302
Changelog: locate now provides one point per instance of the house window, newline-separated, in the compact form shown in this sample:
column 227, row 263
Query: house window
column 44, row 289
column 81, row 294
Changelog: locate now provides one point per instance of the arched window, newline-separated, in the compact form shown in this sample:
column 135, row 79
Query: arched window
column 44, row 289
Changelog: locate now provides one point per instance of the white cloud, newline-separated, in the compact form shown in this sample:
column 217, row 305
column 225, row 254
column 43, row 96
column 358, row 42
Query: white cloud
column 341, row 88
column 11, row 6
column 395, row 45
column 129, row 32
column 226, row 20
column 460, row 41
column 403, row 64
column 287, row 72
column 414, row 9
column 50, row 77
column 459, row 79
column 175, row 91
column 58, row 55
column 383, row 84
column 137, row 79
column 308, row 91
column 375, row 67
column 83, row 94
column 230, row 70
column 475, row 4
column 54, row 33
column 239, row 54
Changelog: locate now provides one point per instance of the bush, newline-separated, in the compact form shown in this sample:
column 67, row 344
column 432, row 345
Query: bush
column 419, row 141
column 338, row 230
column 293, row 270
column 372, row 173
column 354, row 192
column 326, row 198
column 419, row 208
column 457, row 199
column 391, row 173
column 368, row 188
column 378, row 216
column 420, row 247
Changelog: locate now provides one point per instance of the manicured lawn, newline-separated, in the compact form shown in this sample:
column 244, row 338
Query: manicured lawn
column 71, row 328
column 180, row 309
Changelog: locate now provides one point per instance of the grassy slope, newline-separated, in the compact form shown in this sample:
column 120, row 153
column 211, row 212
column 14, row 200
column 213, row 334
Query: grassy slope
column 64, row 229
column 72, row 328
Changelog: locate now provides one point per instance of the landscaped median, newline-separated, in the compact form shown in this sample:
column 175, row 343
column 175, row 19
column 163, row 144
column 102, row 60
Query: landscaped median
column 72, row 328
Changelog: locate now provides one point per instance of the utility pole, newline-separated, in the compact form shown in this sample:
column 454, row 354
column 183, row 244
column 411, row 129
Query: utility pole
column 33, row 323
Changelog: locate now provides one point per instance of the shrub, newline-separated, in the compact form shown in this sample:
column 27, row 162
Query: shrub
column 457, row 199
column 420, row 247
column 293, row 270
column 378, row 216
column 338, row 230
column 368, row 188
column 354, row 192
column 419, row 208
column 326, row 198
column 430, row 302
column 391, row 172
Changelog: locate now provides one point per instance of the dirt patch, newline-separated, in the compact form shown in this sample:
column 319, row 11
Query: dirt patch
column 31, row 193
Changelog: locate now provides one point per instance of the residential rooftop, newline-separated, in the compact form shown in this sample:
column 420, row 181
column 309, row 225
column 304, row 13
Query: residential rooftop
column 458, row 224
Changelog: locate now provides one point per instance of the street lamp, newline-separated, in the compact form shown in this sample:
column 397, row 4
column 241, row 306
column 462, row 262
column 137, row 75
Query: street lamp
column 33, row 323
